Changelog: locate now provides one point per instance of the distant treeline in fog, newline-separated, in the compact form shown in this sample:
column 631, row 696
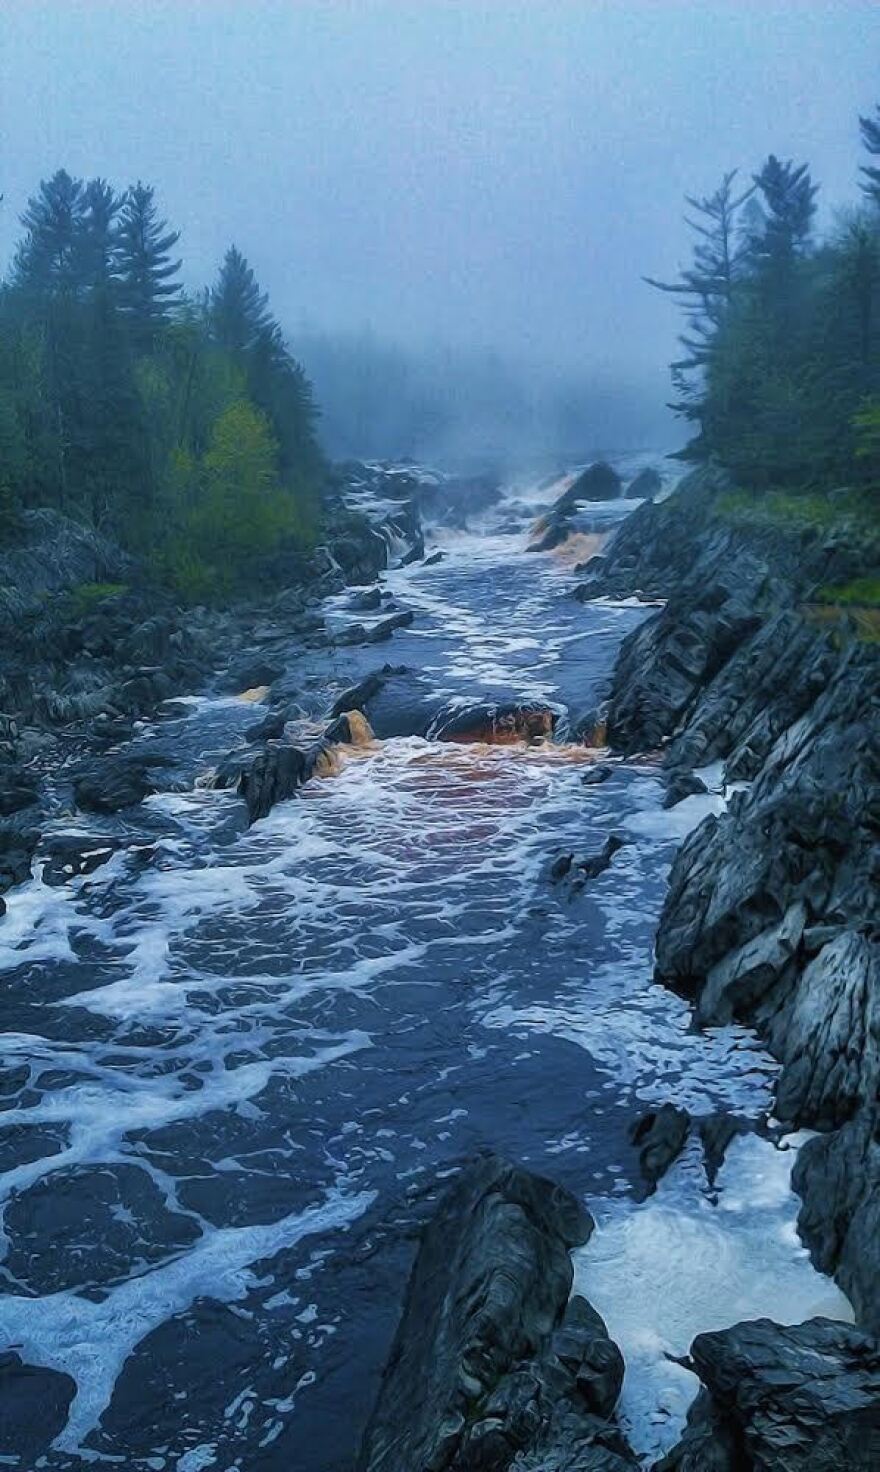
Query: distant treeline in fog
column 180, row 425
column 780, row 365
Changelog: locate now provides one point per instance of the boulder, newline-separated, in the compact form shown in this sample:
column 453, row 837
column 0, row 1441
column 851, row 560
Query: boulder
column 110, row 783
column 644, row 486
column 492, row 1367
column 804, row 1398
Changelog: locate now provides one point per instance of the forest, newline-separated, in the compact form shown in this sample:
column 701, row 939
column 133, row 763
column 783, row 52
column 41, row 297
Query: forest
column 181, row 425
column 178, row 424
column 780, row 371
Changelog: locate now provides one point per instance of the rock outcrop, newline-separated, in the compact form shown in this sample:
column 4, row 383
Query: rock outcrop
column 492, row 1367
column 778, row 1399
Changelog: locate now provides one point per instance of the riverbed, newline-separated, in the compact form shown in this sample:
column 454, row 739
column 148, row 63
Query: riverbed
column 239, row 1063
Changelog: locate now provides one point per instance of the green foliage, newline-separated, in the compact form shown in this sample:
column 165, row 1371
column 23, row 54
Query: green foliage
column 861, row 592
column 783, row 365
column 182, row 427
column 86, row 597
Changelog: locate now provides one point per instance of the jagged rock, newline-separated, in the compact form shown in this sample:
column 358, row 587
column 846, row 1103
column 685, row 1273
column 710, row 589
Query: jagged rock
column 717, row 1132
column 496, row 722
column 18, row 844
column 596, row 864
column 490, row 1360
column 112, row 783
column 384, row 628
column 273, row 775
column 681, row 785
column 17, row 791
column 645, row 486
column 560, row 867
column 250, row 672
column 67, row 855
column 660, row 1135
column 804, row 1398
column 838, row 1178
column 271, row 727
column 366, row 600
column 357, row 697
column 599, row 482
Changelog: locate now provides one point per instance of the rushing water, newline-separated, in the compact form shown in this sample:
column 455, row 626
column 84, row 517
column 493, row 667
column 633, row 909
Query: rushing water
column 238, row 1063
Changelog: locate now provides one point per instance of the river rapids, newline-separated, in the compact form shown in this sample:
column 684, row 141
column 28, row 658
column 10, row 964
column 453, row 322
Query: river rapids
column 237, row 1064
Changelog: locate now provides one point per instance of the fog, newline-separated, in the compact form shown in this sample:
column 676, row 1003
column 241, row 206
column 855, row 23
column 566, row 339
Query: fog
column 451, row 205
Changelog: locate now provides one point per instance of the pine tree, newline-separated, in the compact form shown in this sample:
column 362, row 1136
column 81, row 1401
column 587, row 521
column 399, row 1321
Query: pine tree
column 705, row 289
column 99, row 247
column 148, row 288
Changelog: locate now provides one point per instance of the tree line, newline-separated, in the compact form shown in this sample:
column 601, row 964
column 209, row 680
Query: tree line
column 179, row 424
column 780, row 370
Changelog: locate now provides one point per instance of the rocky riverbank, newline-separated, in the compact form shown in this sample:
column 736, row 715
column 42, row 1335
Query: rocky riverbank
column 772, row 919
column 91, row 646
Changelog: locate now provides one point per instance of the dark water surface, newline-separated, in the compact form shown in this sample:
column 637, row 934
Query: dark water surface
column 235, row 1070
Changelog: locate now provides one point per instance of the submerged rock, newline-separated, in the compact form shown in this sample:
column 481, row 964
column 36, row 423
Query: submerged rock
column 804, row 1398
column 492, row 1367
column 660, row 1136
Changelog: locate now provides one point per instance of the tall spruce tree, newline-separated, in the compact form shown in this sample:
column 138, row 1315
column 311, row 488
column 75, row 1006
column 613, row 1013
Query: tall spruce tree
column 99, row 236
column 147, row 272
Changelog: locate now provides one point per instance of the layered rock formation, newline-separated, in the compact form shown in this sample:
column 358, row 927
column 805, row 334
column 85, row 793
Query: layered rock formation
column 493, row 1367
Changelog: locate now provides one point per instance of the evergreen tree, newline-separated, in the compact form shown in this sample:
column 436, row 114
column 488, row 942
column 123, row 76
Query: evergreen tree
column 148, row 288
column 99, row 248
column 48, row 261
column 705, row 289
column 870, row 131
column 240, row 315
column 788, row 200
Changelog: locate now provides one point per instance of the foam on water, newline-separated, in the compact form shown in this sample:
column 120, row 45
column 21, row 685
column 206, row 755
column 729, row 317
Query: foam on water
column 91, row 1341
column 683, row 1263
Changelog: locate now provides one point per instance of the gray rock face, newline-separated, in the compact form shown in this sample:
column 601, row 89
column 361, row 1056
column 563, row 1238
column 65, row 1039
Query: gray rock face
column 33, row 1408
column 800, row 1399
column 492, row 1367
column 838, row 1177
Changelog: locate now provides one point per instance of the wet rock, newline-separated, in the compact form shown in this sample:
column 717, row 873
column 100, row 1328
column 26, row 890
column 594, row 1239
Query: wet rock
column 250, row 672
column 495, row 722
column 596, row 864
column 274, row 775
column 804, row 1398
column 490, row 1362
column 560, row 867
column 358, row 697
column 366, row 600
column 111, row 783
column 660, row 1135
column 599, row 482
column 18, row 844
column 384, row 628
column 681, row 785
column 597, row 774
column 645, row 486
column 34, row 1403
column 717, row 1132
column 837, row 1175
column 433, row 559
column 66, row 856
column 271, row 727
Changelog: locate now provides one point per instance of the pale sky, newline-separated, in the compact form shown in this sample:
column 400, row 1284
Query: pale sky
column 494, row 174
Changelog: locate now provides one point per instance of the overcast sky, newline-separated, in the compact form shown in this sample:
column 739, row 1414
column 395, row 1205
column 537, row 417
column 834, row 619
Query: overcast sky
column 500, row 174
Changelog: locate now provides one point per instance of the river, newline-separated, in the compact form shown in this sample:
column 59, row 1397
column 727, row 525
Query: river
column 238, row 1063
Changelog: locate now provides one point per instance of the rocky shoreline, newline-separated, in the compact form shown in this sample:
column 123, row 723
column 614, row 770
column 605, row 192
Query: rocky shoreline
column 773, row 919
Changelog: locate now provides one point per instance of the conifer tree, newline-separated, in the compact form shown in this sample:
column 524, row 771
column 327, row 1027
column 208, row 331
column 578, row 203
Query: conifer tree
column 788, row 204
column 148, row 285
column 239, row 310
column 48, row 260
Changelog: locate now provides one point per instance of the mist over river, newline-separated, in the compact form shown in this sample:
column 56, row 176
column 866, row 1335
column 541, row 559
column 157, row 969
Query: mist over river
column 239, row 1063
